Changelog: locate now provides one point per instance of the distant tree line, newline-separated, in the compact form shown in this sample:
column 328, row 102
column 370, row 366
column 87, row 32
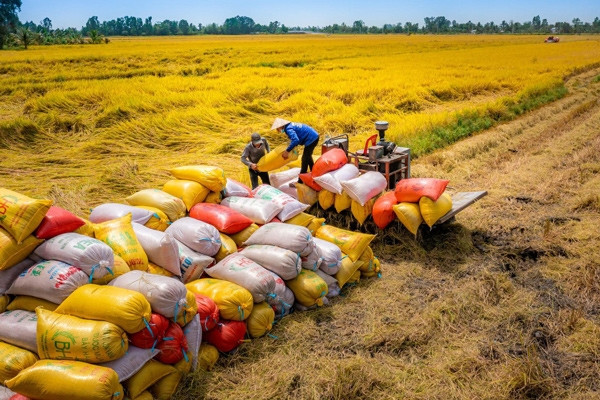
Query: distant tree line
column 14, row 33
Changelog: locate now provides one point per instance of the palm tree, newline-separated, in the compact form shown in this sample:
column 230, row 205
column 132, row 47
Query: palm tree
column 95, row 37
column 25, row 37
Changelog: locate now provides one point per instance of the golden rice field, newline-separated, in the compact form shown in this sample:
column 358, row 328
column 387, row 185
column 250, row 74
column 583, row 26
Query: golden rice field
column 85, row 124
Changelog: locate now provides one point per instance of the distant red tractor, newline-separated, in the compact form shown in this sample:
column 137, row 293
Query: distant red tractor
column 551, row 39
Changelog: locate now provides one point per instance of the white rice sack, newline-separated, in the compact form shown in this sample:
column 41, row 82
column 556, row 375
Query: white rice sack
column 278, row 179
column 8, row 276
column 312, row 260
column 243, row 271
column 133, row 360
column 287, row 236
column 258, row 210
column 19, row 328
column 331, row 255
column 161, row 247
column 283, row 299
column 333, row 286
column 291, row 191
column 108, row 211
column 6, row 393
column 166, row 295
column 197, row 235
column 92, row 256
column 49, row 280
column 234, row 188
column 192, row 263
column 365, row 187
column 290, row 206
column 331, row 180
column 193, row 334
column 283, row 262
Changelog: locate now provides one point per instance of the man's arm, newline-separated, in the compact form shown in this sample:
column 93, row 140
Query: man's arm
column 291, row 133
column 244, row 157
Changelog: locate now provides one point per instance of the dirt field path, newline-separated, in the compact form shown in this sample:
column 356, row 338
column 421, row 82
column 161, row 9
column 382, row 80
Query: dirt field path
column 504, row 303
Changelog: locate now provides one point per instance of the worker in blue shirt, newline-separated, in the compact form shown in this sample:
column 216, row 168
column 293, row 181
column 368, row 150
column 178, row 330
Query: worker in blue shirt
column 299, row 134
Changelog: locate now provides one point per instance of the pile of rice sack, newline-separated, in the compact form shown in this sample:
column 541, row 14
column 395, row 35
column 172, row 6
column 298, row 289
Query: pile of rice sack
column 335, row 184
column 128, row 302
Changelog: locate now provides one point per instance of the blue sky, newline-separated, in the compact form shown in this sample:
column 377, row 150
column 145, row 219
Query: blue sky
column 74, row 13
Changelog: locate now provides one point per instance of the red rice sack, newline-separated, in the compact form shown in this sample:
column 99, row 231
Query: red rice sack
column 412, row 189
column 383, row 212
column 330, row 161
column 149, row 337
column 207, row 311
column 225, row 219
column 56, row 221
column 173, row 346
column 308, row 180
column 235, row 188
column 227, row 335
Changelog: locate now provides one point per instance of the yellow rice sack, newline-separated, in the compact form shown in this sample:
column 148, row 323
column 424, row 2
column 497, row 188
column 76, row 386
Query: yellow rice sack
column 273, row 159
column 87, row 229
column 208, row 355
column 4, row 300
column 315, row 225
column 67, row 379
column 326, row 199
column 12, row 253
column 342, row 202
column 156, row 270
column 13, row 360
column 302, row 219
column 145, row 395
column 21, row 215
column 351, row 243
column 243, row 235
column 347, row 269
column 228, row 247
column 158, row 221
column 119, row 235
column 370, row 263
column 186, row 314
column 213, row 178
column 308, row 287
column 306, row 194
column 63, row 337
column 119, row 268
column 164, row 388
column 170, row 205
column 30, row 303
column 147, row 376
column 355, row 278
column 214, row 198
column 123, row 307
column 361, row 213
column 234, row 302
column 434, row 210
column 375, row 271
column 261, row 320
column 189, row 191
column 410, row 216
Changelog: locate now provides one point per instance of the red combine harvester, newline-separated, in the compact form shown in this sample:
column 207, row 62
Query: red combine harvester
column 552, row 39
